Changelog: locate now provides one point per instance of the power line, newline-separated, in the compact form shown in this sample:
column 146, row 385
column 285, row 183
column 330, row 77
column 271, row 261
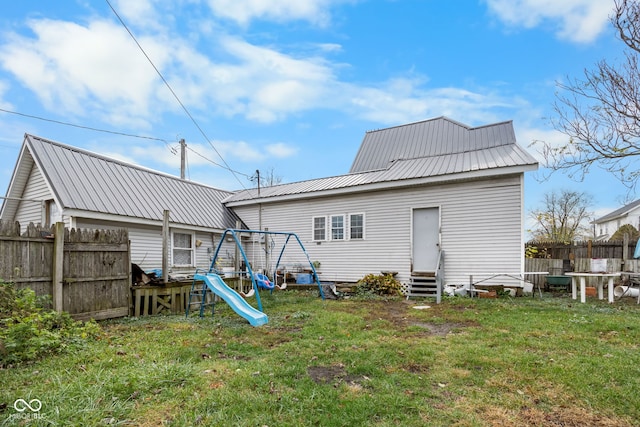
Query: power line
column 173, row 93
column 171, row 148
column 217, row 164
column 83, row 127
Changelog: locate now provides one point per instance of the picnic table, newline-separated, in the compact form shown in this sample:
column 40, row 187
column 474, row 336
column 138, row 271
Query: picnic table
column 582, row 277
column 520, row 276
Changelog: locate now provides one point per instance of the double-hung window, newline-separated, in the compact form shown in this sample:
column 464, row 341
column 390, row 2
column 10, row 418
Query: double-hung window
column 356, row 226
column 337, row 227
column 319, row 228
column 183, row 249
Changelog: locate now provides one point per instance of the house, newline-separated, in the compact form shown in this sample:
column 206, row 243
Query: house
column 416, row 194
column 432, row 200
column 605, row 226
column 54, row 182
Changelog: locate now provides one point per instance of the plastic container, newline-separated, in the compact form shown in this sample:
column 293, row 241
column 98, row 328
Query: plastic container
column 620, row 291
column 559, row 280
column 304, row 279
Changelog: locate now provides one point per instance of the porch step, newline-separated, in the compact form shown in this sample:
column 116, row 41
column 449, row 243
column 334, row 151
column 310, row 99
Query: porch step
column 423, row 286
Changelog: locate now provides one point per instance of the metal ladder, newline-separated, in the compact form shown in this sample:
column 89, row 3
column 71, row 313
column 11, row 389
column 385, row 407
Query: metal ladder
column 198, row 297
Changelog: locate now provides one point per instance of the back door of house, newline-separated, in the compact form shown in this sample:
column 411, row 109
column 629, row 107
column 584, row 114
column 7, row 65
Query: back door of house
column 425, row 239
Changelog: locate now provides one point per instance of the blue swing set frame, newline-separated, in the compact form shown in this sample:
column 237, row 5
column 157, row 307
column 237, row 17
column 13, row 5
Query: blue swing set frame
column 254, row 280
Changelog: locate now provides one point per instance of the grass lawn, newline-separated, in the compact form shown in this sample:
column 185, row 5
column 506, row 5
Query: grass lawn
column 504, row 362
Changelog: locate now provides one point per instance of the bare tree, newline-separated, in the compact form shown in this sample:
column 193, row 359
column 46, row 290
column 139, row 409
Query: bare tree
column 269, row 178
column 600, row 113
column 563, row 217
column 266, row 179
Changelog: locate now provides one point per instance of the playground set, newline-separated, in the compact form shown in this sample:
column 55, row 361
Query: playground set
column 213, row 284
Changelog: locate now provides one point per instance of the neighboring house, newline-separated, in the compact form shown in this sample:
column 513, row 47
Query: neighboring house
column 413, row 191
column 54, row 182
column 605, row 226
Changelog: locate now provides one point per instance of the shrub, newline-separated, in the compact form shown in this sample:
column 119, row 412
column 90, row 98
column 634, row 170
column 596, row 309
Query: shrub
column 29, row 330
column 381, row 284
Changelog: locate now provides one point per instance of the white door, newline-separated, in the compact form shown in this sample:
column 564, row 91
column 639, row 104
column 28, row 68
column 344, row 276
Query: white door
column 426, row 239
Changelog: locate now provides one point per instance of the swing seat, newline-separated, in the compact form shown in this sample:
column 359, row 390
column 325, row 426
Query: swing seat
column 264, row 282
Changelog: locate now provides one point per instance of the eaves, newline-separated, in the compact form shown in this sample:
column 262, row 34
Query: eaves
column 387, row 185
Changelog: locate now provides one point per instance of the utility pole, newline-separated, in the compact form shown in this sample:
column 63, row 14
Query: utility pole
column 258, row 179
column 183, row 147
column 259, row 204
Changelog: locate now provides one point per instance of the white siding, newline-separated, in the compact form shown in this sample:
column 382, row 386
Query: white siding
column 608, row 228
column 29, row 211
column 481, row 229
column 146, row 244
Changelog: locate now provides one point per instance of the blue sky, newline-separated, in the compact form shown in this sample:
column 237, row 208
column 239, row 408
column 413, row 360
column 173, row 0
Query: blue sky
column 290, row 86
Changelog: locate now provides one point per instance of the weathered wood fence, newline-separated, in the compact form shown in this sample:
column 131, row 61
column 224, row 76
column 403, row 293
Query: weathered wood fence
column 87, row 272
column 582, row 249
column 558, row 258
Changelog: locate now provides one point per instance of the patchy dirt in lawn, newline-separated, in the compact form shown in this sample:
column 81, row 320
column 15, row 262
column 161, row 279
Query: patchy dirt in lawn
column 334, row 375
column 401, row 314
column 565, row 417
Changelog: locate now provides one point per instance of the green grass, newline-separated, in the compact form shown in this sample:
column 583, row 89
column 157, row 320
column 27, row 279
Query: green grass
column 506, row 362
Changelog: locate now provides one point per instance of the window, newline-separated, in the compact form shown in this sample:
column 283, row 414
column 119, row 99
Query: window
column 51, row 215
column 183, row 249
column 319, row 228
column 337, row 227
column 356, row 226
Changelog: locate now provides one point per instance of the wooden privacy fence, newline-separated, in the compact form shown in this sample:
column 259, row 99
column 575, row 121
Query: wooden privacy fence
column 87, row 272
column 582, row 249
column 557, row 267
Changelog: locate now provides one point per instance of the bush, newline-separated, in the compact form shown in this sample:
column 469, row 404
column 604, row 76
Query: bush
column 381, row 284
column 29, row 330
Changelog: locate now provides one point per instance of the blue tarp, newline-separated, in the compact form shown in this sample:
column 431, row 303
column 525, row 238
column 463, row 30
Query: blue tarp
column 636, row 253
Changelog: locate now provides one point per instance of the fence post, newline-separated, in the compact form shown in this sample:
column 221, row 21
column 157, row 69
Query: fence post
column 165, row 246
column 625, row 250
column 58, row 262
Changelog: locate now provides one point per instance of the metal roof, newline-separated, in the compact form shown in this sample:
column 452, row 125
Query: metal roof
column 433, row 148
column 82, row 180
column 430, row 138
column 618, row 212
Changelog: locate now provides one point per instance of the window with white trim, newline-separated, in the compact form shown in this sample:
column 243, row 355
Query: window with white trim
column 183, row 249
column 337, row 227
column 319, row 228
column 51, row 215
column 356, row 226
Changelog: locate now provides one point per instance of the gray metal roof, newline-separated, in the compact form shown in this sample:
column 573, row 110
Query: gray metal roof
column 618, row 212
column 430, row 138
column 432, row 148
column 86, row 181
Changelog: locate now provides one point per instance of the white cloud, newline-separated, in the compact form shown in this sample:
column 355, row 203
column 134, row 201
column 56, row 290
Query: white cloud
column 267, row 85
column 330, row 47
column 244, row 11
column 576, row 20
column 403, row 100
column 3, row 89
column 281, row 150
column 76, row 68
column 96, row 70
column 140, row 12
column 533, row 139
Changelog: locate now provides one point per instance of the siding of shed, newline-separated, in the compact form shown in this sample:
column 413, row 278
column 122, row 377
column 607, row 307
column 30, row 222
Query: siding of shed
column 481, row 228
column 35, row 189
column 146, row 243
